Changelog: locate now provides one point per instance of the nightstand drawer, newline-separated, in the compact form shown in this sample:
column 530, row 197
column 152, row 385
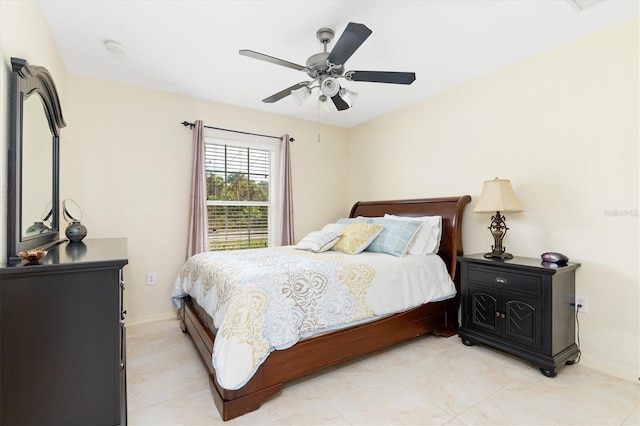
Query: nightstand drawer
column 505, row 280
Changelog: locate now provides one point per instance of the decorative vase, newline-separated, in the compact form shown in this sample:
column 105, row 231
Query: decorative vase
column 75, row 232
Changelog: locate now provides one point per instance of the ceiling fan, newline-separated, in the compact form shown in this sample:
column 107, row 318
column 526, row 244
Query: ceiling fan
column 326, row 68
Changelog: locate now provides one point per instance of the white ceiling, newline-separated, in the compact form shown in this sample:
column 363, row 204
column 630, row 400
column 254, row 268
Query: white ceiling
column 191, row 47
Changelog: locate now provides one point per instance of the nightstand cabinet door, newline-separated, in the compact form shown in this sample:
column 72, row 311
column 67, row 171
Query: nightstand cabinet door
column 520, row 306
column 523, row 320
column 484, row 310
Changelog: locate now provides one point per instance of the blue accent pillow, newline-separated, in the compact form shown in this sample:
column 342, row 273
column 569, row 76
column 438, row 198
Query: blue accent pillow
column 395, row 238
column 349, row 220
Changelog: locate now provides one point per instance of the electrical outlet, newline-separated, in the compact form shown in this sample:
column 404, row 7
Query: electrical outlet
column 582, row 301
column 152, row 278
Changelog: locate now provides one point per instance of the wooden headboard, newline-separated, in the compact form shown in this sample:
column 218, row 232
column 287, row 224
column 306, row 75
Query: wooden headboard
column 450, row 208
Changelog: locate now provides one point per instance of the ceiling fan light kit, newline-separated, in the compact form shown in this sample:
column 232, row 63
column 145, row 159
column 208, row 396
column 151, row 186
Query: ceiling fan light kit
column 301, row 94
column 326, row 68
column 329, row 86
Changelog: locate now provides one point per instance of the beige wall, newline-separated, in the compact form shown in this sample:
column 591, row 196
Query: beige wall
column 564, row 127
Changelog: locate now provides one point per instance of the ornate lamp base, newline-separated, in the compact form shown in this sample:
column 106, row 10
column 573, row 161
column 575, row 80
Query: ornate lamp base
column 498, row 229
column 498, row 255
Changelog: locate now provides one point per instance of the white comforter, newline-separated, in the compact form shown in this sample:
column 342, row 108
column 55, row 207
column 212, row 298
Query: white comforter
column 268, row 299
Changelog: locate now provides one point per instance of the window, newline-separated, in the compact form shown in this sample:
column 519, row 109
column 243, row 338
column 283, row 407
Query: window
column 239, row 194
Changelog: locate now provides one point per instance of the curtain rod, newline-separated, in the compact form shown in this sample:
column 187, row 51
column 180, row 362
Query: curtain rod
column 186, row 123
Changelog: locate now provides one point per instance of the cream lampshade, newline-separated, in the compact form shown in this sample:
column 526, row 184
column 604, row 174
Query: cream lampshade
column 498, row 196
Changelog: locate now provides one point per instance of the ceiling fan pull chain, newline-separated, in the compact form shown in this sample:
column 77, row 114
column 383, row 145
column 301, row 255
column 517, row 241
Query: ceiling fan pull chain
column 318, row 104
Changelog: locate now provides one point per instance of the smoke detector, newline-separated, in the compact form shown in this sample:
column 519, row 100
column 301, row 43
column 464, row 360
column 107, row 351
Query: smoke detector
column 114, row 49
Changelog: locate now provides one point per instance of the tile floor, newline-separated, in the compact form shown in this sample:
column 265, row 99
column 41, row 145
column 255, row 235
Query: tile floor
column 427, row 381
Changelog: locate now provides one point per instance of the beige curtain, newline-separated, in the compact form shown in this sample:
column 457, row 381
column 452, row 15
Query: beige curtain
column 285, row 204
column 198, row 241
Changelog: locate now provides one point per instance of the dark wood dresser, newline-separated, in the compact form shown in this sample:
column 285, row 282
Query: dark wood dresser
column 520, row 306
column 62, row 336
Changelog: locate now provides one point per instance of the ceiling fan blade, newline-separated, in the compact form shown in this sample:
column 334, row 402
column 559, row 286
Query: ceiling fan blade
column 350, row 40
column 267, row 58
column 340, row 103
column 382, row 76
column 284, row 93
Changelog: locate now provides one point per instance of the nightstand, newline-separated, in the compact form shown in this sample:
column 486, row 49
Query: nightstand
column 521, row 307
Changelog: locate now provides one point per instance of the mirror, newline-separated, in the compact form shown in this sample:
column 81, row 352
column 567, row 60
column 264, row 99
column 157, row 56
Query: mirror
column 37, row 166
column 33, row 193
column 71, row 211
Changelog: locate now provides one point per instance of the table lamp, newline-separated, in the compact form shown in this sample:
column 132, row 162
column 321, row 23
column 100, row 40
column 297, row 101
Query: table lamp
column 498, row 196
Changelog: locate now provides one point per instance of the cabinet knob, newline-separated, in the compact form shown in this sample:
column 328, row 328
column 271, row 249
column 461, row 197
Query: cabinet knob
column 501, row 280
column 497, row 314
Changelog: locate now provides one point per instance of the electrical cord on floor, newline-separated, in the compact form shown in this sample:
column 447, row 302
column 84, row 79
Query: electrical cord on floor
column 577, row 360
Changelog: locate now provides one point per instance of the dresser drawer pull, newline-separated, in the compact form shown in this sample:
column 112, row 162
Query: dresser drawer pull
column 501, row 280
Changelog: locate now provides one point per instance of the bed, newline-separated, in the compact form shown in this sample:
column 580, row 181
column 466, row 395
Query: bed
column 328, row 348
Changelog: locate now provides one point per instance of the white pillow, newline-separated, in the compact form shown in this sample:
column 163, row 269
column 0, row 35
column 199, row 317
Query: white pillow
column 334, row 227
column 427, row 240
column 318, row 241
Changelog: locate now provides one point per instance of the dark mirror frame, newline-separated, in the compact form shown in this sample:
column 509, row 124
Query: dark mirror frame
column 30, row 80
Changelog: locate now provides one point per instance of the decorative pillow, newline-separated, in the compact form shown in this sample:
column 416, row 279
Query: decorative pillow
column 318, row 241
column 357, row 236
column 395, row 238
column 348, row 220
column 334, row 227
column 427, row 240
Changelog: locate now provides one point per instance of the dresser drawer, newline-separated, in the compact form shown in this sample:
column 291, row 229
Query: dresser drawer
column 505, row 280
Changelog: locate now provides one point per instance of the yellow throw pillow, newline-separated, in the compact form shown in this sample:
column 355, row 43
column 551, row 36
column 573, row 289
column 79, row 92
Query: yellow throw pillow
column 357, row 236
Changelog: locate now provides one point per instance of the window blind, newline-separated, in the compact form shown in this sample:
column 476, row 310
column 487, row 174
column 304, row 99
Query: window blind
column 238, row 196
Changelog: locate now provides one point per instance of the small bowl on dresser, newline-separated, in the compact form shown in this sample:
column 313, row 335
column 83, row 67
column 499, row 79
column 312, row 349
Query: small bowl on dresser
column 32, row 256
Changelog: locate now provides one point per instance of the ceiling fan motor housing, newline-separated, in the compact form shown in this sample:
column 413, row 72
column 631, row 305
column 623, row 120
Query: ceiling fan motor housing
column 317, row 64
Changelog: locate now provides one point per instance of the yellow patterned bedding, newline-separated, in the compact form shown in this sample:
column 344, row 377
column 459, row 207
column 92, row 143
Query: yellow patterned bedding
column 268, row 299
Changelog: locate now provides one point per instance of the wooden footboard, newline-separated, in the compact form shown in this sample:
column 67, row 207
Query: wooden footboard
column 309, row 355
